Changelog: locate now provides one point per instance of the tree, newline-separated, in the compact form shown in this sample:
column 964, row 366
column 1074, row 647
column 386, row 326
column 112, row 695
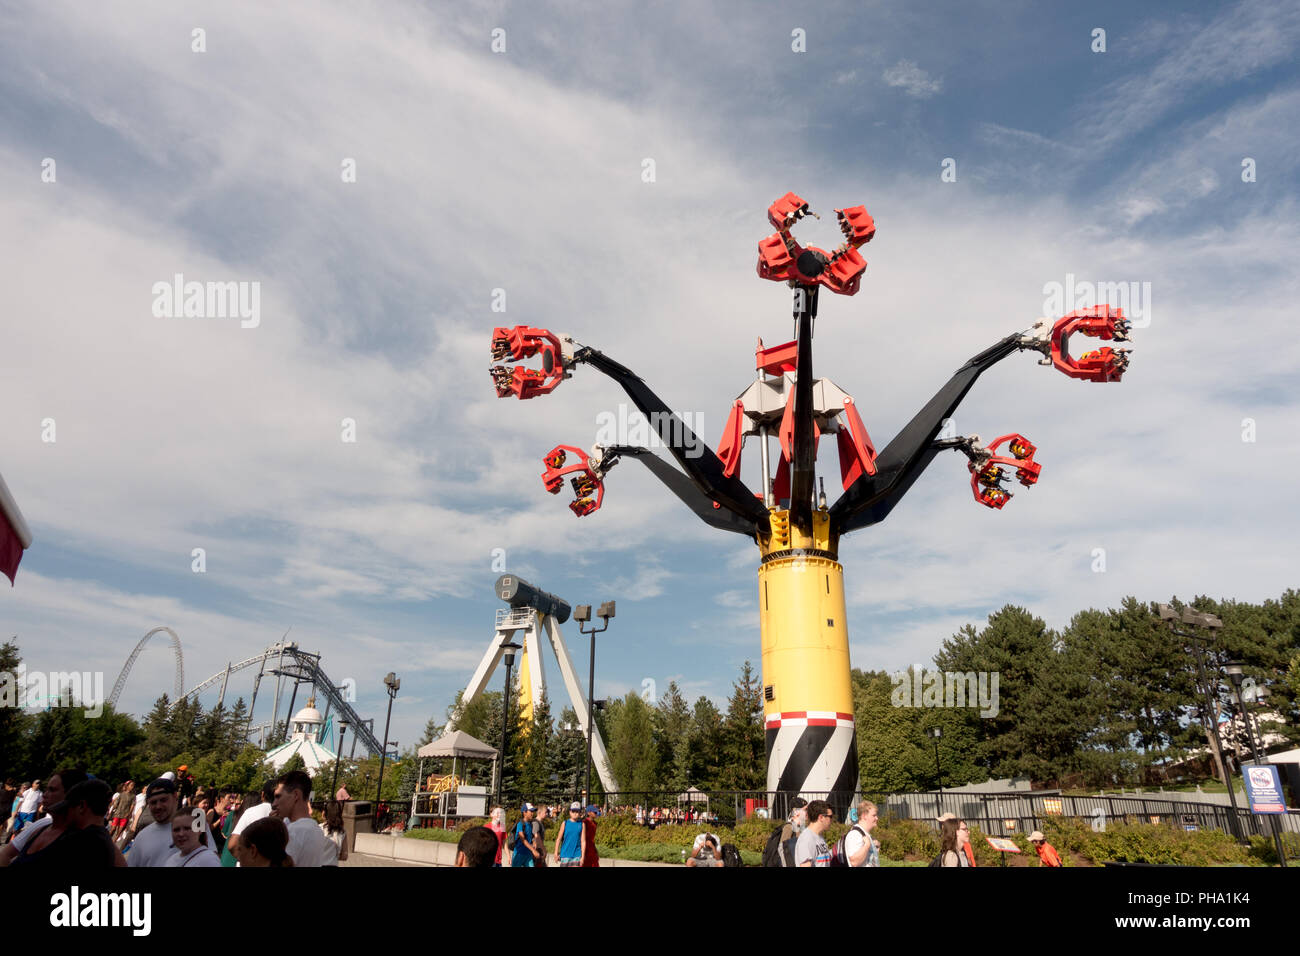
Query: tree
column 704, row 748
column 536, row 763
column 66, row 736
column 672, row 722
column 743, row 756
column 633, row 752
column 14, row 722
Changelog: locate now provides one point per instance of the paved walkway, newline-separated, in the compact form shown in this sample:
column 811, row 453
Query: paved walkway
column 364, row 859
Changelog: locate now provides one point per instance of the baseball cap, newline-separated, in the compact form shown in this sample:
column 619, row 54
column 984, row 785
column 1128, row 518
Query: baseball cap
column 591, row 808
column 575, row 805
column 161, row 785
column 1036, row 836
column 528, row 807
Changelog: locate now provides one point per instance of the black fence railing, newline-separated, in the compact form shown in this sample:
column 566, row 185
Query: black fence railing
column 996, row 814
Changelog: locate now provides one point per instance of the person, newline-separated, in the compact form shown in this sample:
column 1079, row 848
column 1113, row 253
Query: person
column 497, row 824
column 264, row 842
column 120, row 812
column 291, row 803
column 810, row 849
column 525, row 852
column 954, row 834
column 571, row 840
column 590, row 856
column 1046, row 852
column 27, row 807
column 966, row 847
column 539, row 834
column 8, row 794
column 706, row 851
column 49, row 827
column 190, row 850
column 478, row 847
column 332, row 827
column 56, row 791
column 253, row 811
column 228, row 822
column 153, row 843
column 860, row 846
column 84, row 844
column 783, row 853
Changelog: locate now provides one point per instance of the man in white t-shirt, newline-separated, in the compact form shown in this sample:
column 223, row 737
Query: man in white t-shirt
column 251, row 815
column 706, row 851
column 810, row 849
column 859, row 846
column 293, row 806
column 153, row 844
column 28, row 806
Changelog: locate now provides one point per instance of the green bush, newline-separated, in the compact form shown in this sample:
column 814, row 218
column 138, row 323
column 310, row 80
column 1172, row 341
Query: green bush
column 901, row 839
column 1146, row 843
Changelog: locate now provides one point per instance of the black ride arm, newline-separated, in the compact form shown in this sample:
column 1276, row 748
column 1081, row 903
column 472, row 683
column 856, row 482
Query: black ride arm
column 687, row 493
column 872, row 497
column 701, row 465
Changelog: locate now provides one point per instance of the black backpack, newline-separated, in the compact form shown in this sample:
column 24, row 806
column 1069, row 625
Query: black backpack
column 839, row 853
column 731, row 856
column 772, row 850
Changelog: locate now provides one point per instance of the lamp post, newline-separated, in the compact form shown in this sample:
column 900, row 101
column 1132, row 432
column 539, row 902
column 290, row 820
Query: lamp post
column 936, row 733
column 1235, row 675
column 1193, row 619
column 343, row 730
column 511, row 648
column 391, row 684
column 582, row 614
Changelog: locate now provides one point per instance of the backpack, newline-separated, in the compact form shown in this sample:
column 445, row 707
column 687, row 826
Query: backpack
column 772, row 849
column 938, row 860
column 510, row 837
column 731, row 856
column 839, row 852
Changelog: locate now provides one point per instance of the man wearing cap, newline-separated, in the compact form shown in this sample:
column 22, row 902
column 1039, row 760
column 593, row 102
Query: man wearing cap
column 526, row 851
column 153, row 844
column 571, row 841
column 1046, row 852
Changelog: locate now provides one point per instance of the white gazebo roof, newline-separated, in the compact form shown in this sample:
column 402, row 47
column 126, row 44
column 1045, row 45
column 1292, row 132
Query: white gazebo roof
column 305, row 726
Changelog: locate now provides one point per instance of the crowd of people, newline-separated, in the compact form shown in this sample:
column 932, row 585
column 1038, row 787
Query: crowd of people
column 74, row 819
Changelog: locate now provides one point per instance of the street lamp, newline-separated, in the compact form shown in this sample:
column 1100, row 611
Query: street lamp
column 343, row 730
column 1194, row 619
column 1235, row 675
column 391, row 684
column 511, row 649
column 936, row 733
column 582, row 614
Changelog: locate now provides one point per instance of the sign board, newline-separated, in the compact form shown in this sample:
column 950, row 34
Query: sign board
column 1264, row 788
column 1003, row 845
column 1053, row 805
column 1188, row 821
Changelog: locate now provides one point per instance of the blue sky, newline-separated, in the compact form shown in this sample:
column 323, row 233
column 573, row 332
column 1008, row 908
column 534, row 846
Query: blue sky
column 521, row 170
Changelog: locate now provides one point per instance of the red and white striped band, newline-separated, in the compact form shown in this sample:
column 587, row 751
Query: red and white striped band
column 809, row 718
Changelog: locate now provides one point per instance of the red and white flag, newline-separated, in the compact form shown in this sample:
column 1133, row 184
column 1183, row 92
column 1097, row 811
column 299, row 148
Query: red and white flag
column 15, row 536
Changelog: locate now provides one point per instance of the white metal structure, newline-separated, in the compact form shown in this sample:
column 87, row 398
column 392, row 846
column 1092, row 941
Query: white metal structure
column 533, row 624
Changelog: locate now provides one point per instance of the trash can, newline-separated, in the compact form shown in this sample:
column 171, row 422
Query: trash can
column 356, row 819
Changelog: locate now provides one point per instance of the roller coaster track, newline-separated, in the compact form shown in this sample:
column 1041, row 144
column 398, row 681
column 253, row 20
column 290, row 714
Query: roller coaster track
column 130, row 661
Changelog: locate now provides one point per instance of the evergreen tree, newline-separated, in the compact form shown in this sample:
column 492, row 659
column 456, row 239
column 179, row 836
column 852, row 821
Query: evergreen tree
column 672, row 721
column 704, row 749
column 15, row 724
column 633, row 752
column 743, row 758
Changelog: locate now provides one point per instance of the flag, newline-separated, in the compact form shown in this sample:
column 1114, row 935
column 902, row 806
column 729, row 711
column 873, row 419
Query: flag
column 15, row 537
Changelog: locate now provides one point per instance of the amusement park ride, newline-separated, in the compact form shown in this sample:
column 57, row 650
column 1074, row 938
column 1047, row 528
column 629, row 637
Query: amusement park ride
column 808, row 705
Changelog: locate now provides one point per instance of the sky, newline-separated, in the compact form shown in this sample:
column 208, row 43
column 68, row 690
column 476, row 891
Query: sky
column 133, row 149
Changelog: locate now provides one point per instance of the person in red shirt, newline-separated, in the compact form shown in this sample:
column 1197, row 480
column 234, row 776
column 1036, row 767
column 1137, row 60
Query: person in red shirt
column 1046, row 852
column 592, row 858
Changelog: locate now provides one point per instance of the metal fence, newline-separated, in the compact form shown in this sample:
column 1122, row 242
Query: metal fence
column 996, row 814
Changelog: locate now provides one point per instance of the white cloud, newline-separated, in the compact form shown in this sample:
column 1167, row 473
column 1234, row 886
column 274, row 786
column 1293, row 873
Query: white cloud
column 913, row 80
